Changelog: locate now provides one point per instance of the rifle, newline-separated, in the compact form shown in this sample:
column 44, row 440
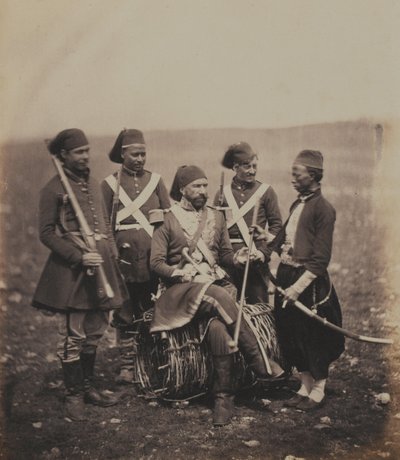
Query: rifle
column 221, row 191
column 104, row 289
column 114, row 208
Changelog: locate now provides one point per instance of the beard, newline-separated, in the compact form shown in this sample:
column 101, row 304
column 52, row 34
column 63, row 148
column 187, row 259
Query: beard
column 199, row 202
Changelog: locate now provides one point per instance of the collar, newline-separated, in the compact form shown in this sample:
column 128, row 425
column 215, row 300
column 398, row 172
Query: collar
column 132, row 173
column 84, row 176
column 309, row 194
column 242, row 185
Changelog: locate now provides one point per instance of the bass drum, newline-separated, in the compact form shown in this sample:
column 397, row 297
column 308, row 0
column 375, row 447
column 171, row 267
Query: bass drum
column 177, row 365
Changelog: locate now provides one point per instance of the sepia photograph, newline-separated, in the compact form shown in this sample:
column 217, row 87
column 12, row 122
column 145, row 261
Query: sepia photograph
column 200, row 248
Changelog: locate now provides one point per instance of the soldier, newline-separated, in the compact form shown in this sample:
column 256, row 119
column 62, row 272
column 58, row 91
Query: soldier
column 201, row 288
column 240, row 196
column 305, row 248
column 131, row 194
column 68, row 284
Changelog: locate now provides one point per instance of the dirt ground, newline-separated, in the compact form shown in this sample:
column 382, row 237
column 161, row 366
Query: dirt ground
column 355, row 422
column 352, row 424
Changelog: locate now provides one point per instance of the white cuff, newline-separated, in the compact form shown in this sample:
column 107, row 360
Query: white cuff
column 303, row 282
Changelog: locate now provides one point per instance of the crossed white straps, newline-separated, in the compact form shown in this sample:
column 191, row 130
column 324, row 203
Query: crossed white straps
column 132, row 207
column 239, row 213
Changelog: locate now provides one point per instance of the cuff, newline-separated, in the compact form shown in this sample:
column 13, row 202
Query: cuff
column 304, row 281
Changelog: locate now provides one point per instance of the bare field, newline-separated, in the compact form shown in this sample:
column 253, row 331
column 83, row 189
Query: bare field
column 359, row 426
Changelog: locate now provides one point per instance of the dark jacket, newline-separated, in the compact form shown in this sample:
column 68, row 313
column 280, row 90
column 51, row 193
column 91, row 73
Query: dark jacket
column 64, row 284
column 134, row 244
column 313, row 241
column 268, row 212
column 169, row 240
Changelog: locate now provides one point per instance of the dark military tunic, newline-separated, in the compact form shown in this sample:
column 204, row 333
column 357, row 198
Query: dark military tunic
column 306, row 344
column 178, row 305
column 134, row 244
column 64, row 284
column 268, row 214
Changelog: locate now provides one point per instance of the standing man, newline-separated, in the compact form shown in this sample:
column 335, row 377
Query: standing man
column 241, row 195
column 69, row 284
column 131, row 194
column 305, row 247
column 197, row 285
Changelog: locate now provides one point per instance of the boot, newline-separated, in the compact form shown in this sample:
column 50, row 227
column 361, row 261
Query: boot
column 92, row 395
column 223, row 389
column 127, row 350
column 73, row 379
column 250, row 350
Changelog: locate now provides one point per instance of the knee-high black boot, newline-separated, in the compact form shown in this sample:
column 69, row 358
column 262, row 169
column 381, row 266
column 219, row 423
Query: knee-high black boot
column 250, row 350
column 92, row 395
column 73, row 380
column 224, row 387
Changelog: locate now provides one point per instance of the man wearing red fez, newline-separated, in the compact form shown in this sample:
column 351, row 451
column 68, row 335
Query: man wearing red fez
column 68, row 284
column 305, row 247
column 133, row 195
column 197, row 285
column 241, row 195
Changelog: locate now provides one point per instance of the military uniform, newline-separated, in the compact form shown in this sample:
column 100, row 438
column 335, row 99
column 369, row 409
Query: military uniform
column 130, row 196
column 306, row 344
column 305, row 248
column 63, row 285
column 238, row 196
column 193, row 296
column 68, row 287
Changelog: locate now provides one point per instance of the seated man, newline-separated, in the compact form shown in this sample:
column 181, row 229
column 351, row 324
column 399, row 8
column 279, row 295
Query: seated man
column 187, row 252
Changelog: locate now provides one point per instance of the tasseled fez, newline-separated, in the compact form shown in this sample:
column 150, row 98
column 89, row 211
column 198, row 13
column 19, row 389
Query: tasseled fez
column 126, row 138
column 68, row 139
column 184, row 176
column 238, row 153
column 310, row 159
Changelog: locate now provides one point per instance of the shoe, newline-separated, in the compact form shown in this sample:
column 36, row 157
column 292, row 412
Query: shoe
column 308, row 405
column 75, row 407
column 125, row 377
column 295, row 400
column 92, row 396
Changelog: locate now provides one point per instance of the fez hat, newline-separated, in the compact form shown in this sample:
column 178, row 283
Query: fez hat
column 184, row 176
column 68, row 139
column 126, row 138
column 238, row 153
column 310, row 159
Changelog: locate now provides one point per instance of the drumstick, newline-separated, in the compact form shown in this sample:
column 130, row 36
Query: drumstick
column 233, row 343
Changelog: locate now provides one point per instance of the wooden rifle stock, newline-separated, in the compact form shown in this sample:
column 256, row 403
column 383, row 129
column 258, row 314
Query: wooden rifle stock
column 104, row 289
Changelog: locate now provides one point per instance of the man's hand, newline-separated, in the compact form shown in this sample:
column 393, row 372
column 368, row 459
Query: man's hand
column 291, row 295
column 259, row 232
column 91, row 259
column 185, row 276
column 257, row 256
column 240, row 256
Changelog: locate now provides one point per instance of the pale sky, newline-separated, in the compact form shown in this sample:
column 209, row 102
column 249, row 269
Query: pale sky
column 170, row 64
